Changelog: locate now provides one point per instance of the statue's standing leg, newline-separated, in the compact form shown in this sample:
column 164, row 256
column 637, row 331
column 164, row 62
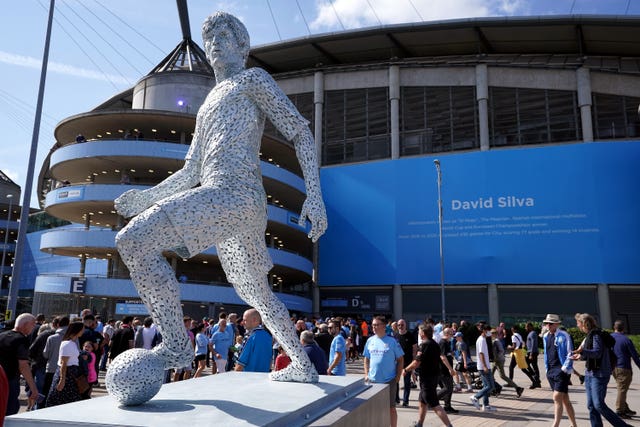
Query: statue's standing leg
column 240, row 261
column 140, row 245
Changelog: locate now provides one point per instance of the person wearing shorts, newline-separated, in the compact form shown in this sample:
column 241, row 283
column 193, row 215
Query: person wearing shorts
column 429, row 360
column 557, row 349
column 383, row 359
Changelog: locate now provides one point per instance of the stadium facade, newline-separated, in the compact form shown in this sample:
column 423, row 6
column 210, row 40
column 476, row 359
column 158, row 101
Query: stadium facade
column 534, row 121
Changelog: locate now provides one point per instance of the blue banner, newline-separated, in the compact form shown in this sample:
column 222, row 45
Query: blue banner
column 554, row 214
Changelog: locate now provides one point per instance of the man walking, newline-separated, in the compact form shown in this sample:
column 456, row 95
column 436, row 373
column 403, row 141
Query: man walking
column 623, row 374
column 383, row 362
column 409, row 347
column 558, row 364
column 337, row 353
column 484, row 369
column 429, row 358
column 14, row 359
column 532, row 354
column 498, row 363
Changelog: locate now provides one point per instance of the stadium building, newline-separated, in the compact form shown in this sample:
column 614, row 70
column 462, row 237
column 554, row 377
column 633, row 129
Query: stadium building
column 534, row 122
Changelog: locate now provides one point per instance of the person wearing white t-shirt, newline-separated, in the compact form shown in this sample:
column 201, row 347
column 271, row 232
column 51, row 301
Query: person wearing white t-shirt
column 64, row 388
column 484, row 369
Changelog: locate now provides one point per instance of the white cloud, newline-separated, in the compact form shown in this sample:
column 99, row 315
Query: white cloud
column 362, row 13
column 56, row 67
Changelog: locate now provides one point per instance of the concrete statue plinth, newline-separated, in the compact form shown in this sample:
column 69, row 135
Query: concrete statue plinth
column 230, row 399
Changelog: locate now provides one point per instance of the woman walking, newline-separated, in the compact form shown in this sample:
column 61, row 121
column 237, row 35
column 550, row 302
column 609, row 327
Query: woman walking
column 64, row 388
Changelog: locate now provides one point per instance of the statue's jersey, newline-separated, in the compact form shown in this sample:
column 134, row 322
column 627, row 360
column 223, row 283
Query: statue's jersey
column 229, row 207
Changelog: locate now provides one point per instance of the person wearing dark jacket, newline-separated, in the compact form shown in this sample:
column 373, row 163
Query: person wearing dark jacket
column 598, row 371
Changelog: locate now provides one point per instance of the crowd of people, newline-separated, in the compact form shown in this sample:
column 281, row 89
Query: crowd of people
column 60, row 359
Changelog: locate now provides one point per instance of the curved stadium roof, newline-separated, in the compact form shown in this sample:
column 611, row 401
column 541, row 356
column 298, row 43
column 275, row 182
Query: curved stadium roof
column 584, row 36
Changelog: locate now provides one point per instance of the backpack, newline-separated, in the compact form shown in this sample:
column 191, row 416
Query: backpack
column 609, row 342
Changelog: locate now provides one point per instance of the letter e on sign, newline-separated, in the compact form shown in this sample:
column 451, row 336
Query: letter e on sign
column 78, row 285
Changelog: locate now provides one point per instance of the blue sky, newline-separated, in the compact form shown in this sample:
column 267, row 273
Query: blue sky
column 101, row 47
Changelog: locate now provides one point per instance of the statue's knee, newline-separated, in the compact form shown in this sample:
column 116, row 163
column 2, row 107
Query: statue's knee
column 124, row 240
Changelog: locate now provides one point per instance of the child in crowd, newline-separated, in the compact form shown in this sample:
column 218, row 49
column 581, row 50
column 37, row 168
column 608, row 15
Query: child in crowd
column 87, row 362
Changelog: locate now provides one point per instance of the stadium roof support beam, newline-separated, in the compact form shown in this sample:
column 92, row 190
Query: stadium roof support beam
column 483, row 43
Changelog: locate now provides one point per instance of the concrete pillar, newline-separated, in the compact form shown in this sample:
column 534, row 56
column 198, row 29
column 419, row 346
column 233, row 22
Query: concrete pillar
column 397, row 302
column 482, row 96
column 318, row 102
column 604, row 306
column 394, row 107
column 583, row 79
column 83, row 264
column 493, row 304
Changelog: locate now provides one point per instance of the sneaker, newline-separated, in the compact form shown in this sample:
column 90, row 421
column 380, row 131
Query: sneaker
column 457, row 389
column 623, row 415
column 405, row 404
column 450, row 410
column 488, row 408
column 413, row 385
column 469, row 390
column 475, row 402
column 519, row 391
column 416, row 424
column 630, row 412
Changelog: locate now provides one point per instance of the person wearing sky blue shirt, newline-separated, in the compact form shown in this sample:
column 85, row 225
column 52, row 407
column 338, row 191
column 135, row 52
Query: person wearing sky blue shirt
column 383, row 362
column 337, row 352
column 256, row 351
column 220, row 342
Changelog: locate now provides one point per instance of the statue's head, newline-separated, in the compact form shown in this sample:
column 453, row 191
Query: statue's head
column 214, row 23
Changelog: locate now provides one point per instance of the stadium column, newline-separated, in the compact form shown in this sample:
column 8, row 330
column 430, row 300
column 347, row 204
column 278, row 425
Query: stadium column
column 604, row 306
column 394, row 99
column 482, row 96
column 397, row 301
column 583, row 81
column 493, row 304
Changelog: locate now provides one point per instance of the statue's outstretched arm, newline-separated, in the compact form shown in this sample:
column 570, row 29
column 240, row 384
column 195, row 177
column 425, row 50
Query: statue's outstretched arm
column 313, row 207
column 134, row 201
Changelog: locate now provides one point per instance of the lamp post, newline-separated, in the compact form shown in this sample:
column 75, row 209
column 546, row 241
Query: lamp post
column 439, row 172
column 6, row 233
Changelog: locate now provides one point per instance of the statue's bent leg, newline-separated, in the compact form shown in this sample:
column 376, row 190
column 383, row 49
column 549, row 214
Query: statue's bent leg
column 275, row 317
column 240, row 259
column 140, row 245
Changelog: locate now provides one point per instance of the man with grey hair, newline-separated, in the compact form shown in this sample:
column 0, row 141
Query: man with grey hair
column 315, row 353
column 14, row 359
column 323, row 339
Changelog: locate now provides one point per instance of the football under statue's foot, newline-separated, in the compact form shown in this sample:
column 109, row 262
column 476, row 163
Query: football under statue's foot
column 295, row 374
column 136, row 375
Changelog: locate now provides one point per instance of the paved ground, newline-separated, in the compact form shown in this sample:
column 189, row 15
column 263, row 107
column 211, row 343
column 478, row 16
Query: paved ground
column 533, row 409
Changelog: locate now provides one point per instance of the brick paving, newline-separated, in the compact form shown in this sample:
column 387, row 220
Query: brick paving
column 533, row 409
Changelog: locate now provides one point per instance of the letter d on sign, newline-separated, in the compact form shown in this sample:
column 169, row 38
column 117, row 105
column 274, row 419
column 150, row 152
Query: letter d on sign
column 78, row 285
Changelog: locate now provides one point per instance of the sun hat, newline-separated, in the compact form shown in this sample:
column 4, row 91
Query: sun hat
column 552, row 318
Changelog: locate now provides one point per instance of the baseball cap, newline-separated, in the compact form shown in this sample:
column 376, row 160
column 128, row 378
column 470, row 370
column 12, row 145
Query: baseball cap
column 457, row 334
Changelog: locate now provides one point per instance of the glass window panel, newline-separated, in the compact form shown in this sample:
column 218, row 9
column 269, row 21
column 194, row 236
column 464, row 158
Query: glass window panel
column 609, row 121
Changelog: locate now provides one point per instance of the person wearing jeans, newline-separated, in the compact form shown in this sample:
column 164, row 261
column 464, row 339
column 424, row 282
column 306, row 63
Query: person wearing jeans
column 484, row 369
column 598, row 371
